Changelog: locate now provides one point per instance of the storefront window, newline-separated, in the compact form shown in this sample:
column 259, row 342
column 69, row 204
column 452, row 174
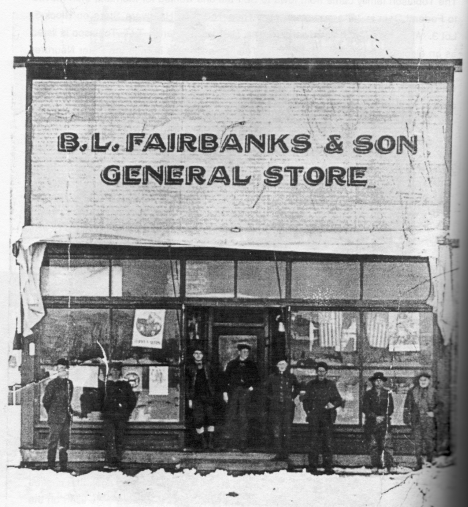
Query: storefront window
column 145, row 278
column 261, row 279
column 157, row 389
column 324, row 336
column 75, row 277
column 398, row 338
column 146, row 336
column 72, row 333
column 210, row 279
column 325, row 280
column 396, row 280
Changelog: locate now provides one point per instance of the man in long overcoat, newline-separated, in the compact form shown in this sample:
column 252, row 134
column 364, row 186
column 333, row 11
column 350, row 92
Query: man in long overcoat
column 241, row 376
column 420, row 409
column 377, row 406
column 281, row 389
column 320, row 401
column 57, row 402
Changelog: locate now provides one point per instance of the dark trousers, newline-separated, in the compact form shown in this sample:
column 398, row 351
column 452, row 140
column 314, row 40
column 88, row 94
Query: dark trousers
column 281, row 424
column 380, row 445
column 114, row 431
column 203, row 413
column 59, row 435
column 236, row 422
column 321, row 439
column 424, row 439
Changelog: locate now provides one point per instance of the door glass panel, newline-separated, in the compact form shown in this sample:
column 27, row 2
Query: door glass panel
column 228, row 347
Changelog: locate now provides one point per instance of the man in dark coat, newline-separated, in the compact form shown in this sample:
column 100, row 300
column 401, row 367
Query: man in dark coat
column 57, row 402
column 281, row 389
column 320, row 401
column 118, row 404
column 377, row 406
column 201, row 397
column 241, row 376
column 420, row 409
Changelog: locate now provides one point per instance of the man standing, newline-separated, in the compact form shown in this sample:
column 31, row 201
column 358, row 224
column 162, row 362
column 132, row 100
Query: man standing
column 201, row 397
column 320, row 401
column 241, row 376
column 281, row 389
column 118, row 404
column 57, row 402
column 421, row 406
column 377, row 406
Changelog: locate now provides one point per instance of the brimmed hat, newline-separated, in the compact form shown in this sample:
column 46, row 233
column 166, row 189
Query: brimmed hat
column 281, row 358
column 241, row 346
column 198, row 348
column 115, row 365
column 378, row 375
column 63, row 362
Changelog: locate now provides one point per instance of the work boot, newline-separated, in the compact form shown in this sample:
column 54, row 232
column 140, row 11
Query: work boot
column 243, row 446
column 204, row 441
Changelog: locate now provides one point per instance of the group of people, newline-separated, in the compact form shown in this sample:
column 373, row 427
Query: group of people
column 320, row 399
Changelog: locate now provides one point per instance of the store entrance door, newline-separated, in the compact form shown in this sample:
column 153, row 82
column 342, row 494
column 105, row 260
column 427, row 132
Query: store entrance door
column 231, row 327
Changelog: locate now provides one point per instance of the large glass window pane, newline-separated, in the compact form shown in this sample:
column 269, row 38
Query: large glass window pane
column 325, row 280
column 157, row 389
column 210, row 279
column 324, row 336
column 399, row 381
column 145, row 278
column 261, row 279
column 146, row 336
column 347, row 382
column 72, row 333
column 398, row 338
column 396, row 280
column 75, row 277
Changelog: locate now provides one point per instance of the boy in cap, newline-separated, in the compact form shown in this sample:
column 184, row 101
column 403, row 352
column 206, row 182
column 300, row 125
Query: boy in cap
column 118, row 404
column 320, row 401
column 201, row 396
column 57, row 402
column 281, row 389
column 241, row 376
column 421, row 406
column 377, row 406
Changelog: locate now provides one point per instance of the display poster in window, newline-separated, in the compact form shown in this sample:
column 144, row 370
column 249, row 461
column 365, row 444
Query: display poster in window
column 84, row 376
column 403, row 332
column 158, row 380
column 134, row 375
column 148, row 328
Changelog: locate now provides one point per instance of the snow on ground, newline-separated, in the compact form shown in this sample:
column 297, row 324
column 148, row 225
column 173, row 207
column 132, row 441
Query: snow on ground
column 431, row 487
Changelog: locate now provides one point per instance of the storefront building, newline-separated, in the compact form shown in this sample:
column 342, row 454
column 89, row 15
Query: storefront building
column 300, row 206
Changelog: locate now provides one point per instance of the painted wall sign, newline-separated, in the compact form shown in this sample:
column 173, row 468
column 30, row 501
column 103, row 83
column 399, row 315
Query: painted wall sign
column 254, row 155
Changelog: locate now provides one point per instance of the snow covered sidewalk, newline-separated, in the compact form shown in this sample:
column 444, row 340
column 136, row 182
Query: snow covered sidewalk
column 431, row 487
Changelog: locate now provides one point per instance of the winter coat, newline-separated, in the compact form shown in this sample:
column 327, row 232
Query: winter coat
column 192, row 372
column 281, row 389
column 240, row 374
column 57, row 400
column 318, row 394
column 119, row 400
column 418, row 402
column 377, row 403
